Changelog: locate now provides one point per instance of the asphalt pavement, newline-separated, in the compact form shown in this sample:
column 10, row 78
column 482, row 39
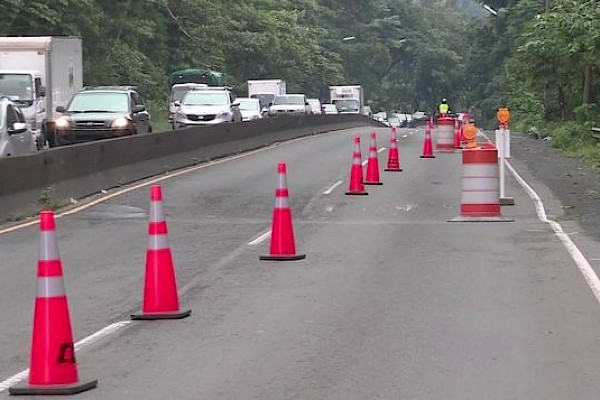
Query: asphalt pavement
column 391, row 302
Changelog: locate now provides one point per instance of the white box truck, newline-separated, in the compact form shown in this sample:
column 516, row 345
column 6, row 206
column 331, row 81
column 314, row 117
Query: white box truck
column 349, row 99
column 39, row 74
column 265, row 90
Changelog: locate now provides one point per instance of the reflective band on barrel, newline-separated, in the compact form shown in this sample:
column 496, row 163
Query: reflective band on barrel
column 157, row 213
column 480, row 197
column 50, row 287
column 47, row 248
column 281, row 202
column 479, row 184
column 158, row 242
column 479, row 170
column 445, row 136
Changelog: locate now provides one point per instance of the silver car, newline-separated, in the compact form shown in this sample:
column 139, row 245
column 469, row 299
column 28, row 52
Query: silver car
column 206, row 107
column 250, row 108
column 289, row 104
column 15, row 137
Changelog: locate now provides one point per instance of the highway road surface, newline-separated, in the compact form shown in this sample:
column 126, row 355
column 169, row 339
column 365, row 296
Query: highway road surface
column 392, row 301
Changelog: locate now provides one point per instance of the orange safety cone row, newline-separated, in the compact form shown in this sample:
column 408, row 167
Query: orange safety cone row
column 160, row 285
column 356, row 186
column 373, row 163
column 283, row 247
column 427, row 146
column 393, row 162
column 52, row 368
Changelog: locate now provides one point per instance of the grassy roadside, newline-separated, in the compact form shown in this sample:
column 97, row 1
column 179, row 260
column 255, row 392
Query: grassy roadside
column 573, row 138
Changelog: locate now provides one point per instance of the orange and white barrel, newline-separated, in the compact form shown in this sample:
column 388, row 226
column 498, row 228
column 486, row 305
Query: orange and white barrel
column 480, row 190
column 445, row 133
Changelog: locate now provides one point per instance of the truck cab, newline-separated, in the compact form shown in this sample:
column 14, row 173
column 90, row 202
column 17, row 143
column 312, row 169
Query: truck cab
column 25, row 89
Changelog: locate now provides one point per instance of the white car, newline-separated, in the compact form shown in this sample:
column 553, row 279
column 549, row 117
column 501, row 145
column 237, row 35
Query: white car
column 178, row 92
column 250, row 108
column 315, row 106
column 289, row 104
column 206, row 107
column 15, row 137
column 330, row 109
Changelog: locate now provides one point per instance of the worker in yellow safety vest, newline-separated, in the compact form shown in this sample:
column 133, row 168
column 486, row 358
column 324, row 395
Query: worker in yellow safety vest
column 444, row 107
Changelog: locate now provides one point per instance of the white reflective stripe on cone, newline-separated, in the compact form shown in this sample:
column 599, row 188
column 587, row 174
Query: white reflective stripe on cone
column 479, row 170
column 356, row 161
column 158, row 242
column 373, row 154
column 491, row 197
column 281, row 202
column 281, row 181
column 479, row 183
column 157, row 213
column 50, row 286
column 47, row 247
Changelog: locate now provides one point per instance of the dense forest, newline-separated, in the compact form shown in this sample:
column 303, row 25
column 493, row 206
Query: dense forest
column 539, row 57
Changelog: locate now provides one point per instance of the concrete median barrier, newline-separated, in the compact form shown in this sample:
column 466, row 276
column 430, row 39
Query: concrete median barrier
column 82, row 170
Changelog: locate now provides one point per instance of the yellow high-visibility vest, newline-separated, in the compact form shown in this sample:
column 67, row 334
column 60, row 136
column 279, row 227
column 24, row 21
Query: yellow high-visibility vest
column 444, row 108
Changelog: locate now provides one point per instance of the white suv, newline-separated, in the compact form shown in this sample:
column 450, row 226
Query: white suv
column 289, row 104
column 206, row 106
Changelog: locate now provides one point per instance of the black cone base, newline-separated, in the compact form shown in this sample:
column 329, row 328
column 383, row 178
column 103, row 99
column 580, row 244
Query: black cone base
column 393, row 170
column 292, row 257
column 427, row 156
column 167, row 315
column 28, row 390
column 357, row 193
column 373, row 183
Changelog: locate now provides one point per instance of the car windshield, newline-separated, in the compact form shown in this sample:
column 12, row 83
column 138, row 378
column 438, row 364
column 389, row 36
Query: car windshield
column 314, row 104
column 206, row 99
column 346, row 105
column 264, row 99
column 17, row 87
column 178, row 93
column 297, row 100
column 249, row 105
column 99, row 102
column 330, row 107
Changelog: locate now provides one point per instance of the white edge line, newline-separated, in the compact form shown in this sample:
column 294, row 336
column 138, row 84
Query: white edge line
column 332, row 187
column 260, row 239
column 365, row 162
column 582, row 263
column 405, row 135
column 381, row 150
column 86, row 341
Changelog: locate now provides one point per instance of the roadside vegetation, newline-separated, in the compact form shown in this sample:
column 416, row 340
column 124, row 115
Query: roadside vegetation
column 540, row 58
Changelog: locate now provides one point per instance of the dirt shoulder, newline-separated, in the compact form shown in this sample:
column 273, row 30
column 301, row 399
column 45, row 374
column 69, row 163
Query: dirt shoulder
column 574, row 185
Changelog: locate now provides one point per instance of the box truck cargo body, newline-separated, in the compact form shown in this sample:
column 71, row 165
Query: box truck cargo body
column 39, row 74
column 348, row 99
column 265, row 90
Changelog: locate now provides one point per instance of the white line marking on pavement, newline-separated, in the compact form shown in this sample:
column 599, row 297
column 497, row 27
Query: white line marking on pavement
column 329, row 208
column 365, row 162
column 405, row 135
column 86, row 341
column 381, row 150
column 576, row 254
column 260, row 239
column 332, row 187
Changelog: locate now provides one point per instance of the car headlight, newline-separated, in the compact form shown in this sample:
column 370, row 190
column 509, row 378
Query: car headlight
column 120, row 123
column 62, row 122
column 224, row 114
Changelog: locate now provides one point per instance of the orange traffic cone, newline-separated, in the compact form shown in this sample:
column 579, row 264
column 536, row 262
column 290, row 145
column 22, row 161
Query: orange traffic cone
column 283, row 247
column 427, row 146
column 52, row 368
column 356, row 173
column 160, row 285
column 393, row 162
column 373, row 163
